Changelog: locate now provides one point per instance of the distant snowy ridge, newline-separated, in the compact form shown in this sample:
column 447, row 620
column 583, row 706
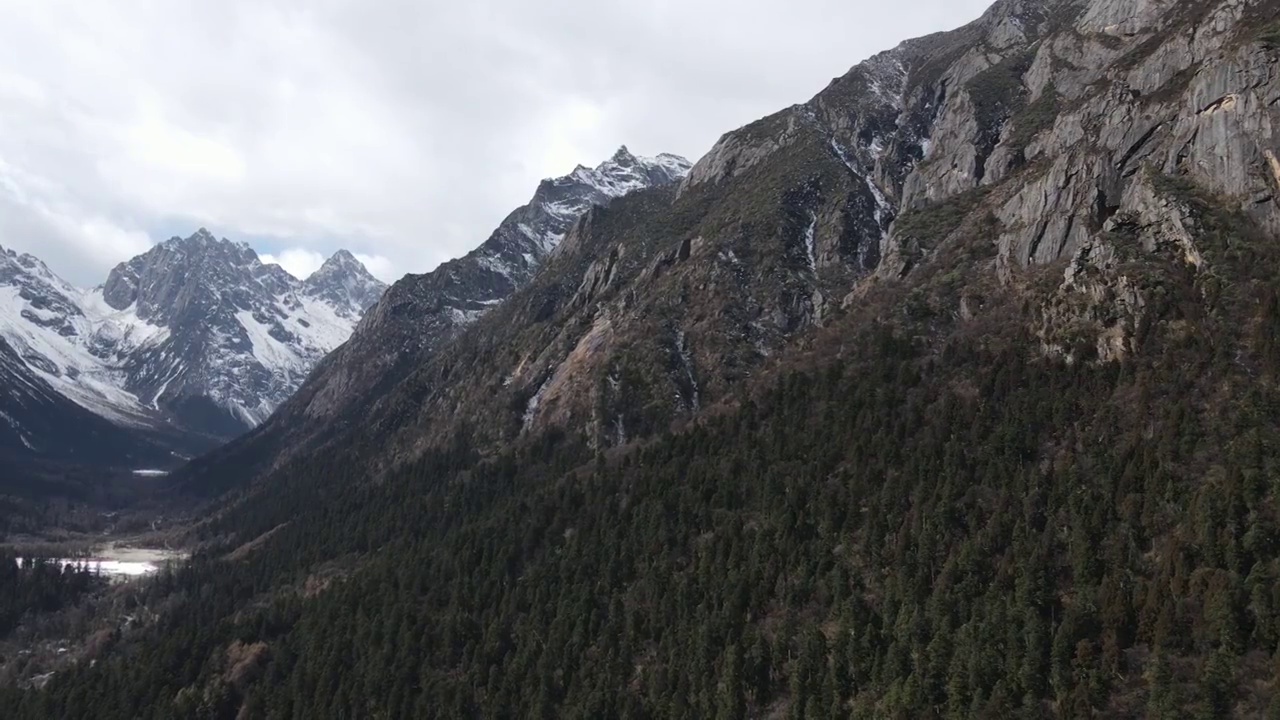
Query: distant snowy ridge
column 521, row 243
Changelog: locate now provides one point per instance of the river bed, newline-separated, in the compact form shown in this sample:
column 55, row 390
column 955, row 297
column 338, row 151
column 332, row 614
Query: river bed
column 123, row 563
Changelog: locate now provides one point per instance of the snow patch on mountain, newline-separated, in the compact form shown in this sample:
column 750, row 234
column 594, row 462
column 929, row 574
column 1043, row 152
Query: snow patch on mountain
column 58, row 347
column 122, row 330
column 272, row 353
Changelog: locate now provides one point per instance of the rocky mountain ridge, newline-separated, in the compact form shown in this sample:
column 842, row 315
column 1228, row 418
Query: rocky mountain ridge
column 1045, row 126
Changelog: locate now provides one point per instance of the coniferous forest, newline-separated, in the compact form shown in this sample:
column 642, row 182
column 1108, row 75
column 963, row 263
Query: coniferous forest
column 920, row 518
column 38, row 586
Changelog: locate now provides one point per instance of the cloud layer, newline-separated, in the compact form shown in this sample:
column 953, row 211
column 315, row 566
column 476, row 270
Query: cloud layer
column 399, row 129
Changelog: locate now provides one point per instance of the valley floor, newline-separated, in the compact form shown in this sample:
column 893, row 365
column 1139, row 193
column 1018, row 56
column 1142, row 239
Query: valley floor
column 74, row 593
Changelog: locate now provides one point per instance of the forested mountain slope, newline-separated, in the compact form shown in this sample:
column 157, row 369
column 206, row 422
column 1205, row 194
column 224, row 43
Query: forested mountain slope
column 950, row 393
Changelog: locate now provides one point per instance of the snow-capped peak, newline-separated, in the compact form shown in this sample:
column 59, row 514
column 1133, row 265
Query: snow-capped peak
column 625, row 172
column 530, row 233
column 195, row 330
column 198, row 332
column 623, row 157
column 346, row 283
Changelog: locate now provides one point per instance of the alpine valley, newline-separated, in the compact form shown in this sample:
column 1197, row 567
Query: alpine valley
column 950, row 392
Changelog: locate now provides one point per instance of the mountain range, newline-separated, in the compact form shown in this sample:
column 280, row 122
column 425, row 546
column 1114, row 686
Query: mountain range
column 950, row 392
column 183, row 347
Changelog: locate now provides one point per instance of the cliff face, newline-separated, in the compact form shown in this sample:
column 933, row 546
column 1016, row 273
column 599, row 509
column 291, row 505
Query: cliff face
column 1044, row 126
column 1043, row 130
column 1054, row 108
column 423, row 312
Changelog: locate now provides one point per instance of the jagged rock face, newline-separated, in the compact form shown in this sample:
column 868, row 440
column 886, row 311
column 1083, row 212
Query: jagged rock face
column 57, row 400
column 417, row 310
column 195, row 335
column 178, row 279
column 243, row 337
column 421, row 313
column 63, row 340
column 1040, row 121
column 1055, row 104
column 50, row 302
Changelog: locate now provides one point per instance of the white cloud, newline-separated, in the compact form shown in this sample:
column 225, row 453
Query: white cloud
column 166, row 151
column 301, row 263
column 403, row 130
column 298, row 262
column 382, row 267
column 51, row 224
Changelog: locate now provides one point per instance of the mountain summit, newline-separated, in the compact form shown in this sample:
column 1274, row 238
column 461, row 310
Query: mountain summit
column 198, row 335
column 345, row 283
column 241, row 336
column 195, row 335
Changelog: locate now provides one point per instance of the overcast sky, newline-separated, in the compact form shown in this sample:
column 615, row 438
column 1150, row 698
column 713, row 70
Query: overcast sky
column 403, row 130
